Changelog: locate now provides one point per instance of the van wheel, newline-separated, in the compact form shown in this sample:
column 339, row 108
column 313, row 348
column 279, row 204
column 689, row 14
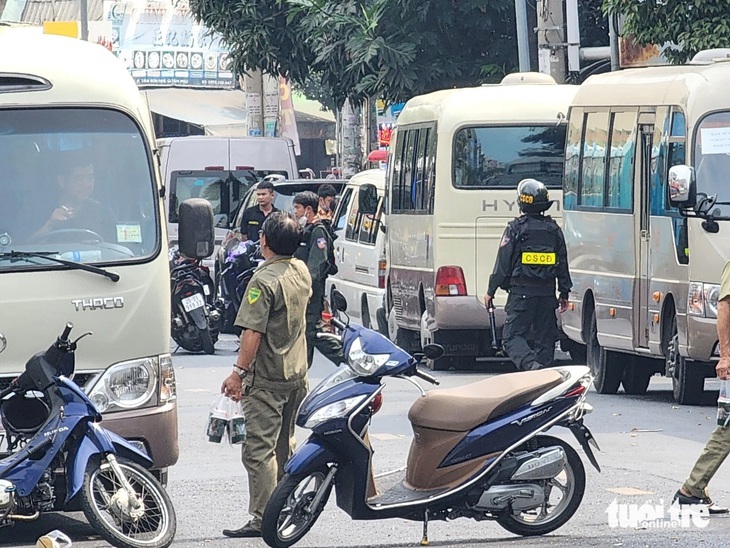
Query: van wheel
column 365, row 314
column 605, row 365
column 403, row 338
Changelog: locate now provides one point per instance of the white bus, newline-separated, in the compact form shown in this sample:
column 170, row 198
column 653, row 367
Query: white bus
column 456, row 159
column 645, row 275
column 82, row 232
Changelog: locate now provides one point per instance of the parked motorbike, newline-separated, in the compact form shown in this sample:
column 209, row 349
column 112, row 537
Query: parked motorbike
column 238, row 268
column 195, row 313
column 479, row 450
column 60, row 459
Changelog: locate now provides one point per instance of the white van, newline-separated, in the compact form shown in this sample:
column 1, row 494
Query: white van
column 457, row 156
column 221, row 170
column 360, row 253
column 82, row 232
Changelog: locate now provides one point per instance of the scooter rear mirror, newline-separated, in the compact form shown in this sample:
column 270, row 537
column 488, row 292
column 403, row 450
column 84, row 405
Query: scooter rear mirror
column 433, row 351
column 339, row 302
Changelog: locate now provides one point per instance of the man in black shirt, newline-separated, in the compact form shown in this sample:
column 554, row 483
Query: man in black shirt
column 253, row 217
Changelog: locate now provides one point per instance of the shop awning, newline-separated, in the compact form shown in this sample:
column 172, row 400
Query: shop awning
column 220, row 112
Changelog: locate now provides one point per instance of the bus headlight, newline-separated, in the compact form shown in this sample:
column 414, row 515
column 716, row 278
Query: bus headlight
column 702, row 299
column 126, row 385
column 712, row 294
column 695, row 300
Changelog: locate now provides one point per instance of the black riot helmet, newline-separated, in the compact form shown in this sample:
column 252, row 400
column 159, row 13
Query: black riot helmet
column 532, row 196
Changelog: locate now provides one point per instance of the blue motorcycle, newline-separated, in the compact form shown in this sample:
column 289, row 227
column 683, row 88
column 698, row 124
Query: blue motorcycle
column 478, row 450
column 58, row 458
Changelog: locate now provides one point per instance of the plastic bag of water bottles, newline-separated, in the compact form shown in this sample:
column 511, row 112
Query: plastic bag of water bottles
column 226, row 419
column 723, row 404
column 236, row 423
column 54, row 539
column 218, row 419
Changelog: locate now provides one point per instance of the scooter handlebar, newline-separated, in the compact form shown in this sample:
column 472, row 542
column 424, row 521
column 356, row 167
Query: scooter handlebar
column 9, row 390
column 338, row 324
column 425, row 376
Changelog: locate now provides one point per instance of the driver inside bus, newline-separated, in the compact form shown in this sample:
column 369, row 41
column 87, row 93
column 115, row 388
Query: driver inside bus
column 76, row 209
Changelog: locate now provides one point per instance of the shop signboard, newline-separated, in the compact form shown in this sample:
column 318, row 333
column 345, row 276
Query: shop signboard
column 162, row 44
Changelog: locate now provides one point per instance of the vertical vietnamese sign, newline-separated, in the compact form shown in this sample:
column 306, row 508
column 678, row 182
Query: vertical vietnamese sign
column 288, row 121
column 161, row 44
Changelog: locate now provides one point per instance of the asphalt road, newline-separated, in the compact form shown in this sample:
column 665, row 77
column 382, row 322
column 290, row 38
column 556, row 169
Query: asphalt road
column 648, row 447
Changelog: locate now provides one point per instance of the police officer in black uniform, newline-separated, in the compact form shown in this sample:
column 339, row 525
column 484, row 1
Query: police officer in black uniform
column 317, row 252
column 531, row 257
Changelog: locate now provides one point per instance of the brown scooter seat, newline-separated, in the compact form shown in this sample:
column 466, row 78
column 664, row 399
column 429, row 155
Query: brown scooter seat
column 465, row 407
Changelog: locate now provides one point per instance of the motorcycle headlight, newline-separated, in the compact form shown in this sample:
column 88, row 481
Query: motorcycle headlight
column 128, row 385
column 361, row 362
column 333, row 411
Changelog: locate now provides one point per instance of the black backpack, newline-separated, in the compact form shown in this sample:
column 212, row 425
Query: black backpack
column 330, row 235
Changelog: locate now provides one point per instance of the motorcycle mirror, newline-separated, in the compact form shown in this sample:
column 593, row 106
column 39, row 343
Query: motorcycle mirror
column 196, row 232
column 339, row 302
column 433, row 351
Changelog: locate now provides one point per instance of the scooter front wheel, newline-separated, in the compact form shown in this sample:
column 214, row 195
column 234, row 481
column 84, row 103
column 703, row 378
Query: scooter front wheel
column 147, row 522
column 563, row 495
column 289, row 515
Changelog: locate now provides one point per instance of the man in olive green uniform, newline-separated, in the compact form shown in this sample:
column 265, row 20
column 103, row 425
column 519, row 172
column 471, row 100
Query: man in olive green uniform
column 694, row 490
column 316, row 250
column 270, row 374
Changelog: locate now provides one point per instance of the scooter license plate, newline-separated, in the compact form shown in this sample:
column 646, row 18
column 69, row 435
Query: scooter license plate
column 193, row 302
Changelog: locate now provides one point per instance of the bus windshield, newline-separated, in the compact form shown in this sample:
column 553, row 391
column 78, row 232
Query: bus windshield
column 75, row 184
column 712, row 156
column 501, row 156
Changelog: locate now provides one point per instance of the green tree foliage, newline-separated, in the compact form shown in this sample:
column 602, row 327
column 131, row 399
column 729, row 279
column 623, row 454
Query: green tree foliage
column 392, row 49
column 692, row 25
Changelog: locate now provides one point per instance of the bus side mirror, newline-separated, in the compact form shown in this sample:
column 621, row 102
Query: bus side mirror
column 682, row 187
column 196, row 234
column 367, row 200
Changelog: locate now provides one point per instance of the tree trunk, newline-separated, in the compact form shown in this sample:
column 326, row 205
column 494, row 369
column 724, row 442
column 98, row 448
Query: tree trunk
column 350, row 140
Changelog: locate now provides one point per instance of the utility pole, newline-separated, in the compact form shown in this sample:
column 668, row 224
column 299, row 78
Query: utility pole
column 84, row 16
column 523, row 42
column 253, row 84
column 551, row 43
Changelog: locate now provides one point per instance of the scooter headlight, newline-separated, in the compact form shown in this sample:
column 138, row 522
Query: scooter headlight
column 335, row 410
column 361, row 362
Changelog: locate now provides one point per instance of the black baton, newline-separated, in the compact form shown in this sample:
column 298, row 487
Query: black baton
column 493, row 327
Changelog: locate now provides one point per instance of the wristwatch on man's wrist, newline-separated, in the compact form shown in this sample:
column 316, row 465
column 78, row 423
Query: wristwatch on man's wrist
column 241, row 372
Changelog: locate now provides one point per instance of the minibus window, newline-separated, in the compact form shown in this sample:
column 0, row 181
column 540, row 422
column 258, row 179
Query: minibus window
column 712, row 155
column 595, row 140
column 501, row 156
column 76, row 183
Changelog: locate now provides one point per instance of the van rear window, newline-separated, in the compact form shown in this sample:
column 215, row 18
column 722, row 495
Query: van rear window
column 501, row 156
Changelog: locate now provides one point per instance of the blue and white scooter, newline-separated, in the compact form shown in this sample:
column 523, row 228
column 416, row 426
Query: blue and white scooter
column 478, row 450
column 60, row 459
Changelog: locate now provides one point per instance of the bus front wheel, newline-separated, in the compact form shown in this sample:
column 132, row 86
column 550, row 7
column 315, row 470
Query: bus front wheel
column 605, row 365
column 688, row 379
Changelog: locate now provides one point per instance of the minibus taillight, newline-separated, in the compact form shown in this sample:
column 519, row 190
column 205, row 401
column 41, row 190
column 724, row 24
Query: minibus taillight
column 450, row 282
column 382, row 267
column 244, row 168
column 214, row 168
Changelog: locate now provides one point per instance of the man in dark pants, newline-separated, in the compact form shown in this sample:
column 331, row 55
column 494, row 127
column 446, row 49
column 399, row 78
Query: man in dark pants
column 269, row 375
column 317, row 253
column 531, row 257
